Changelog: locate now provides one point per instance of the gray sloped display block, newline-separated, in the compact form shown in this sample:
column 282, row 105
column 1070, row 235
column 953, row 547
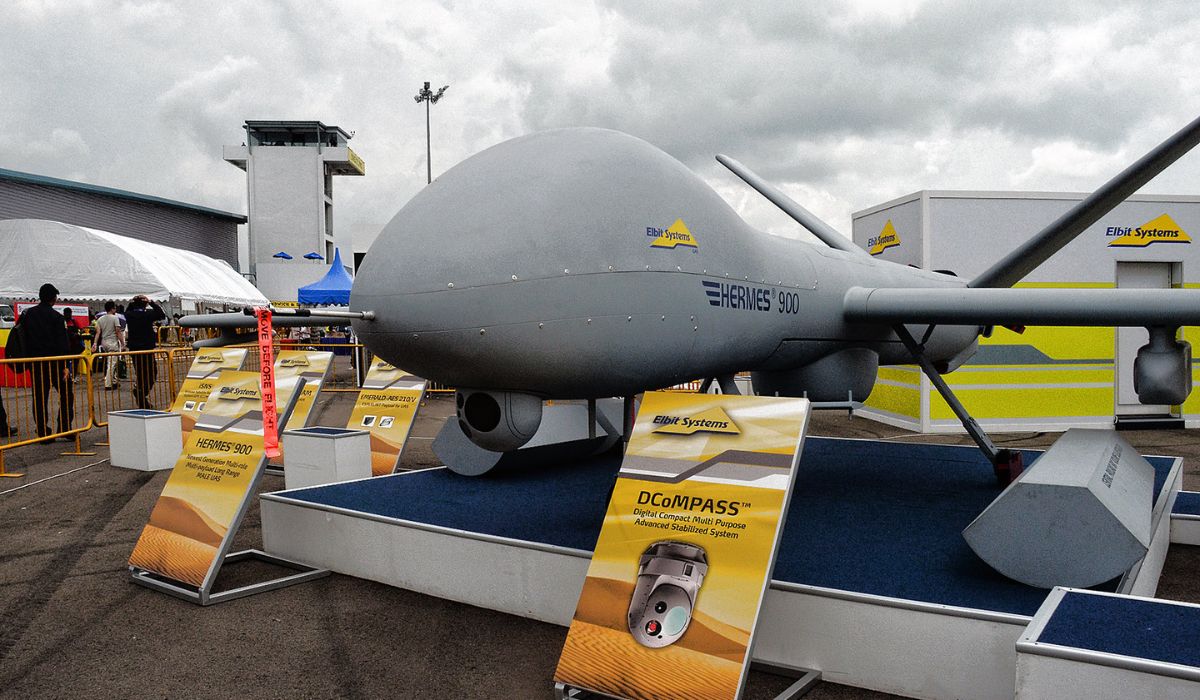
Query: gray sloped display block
column 1079, row 516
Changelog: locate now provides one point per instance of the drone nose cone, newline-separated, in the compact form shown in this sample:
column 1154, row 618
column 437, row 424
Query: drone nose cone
column 551, row 228
column 568, row 201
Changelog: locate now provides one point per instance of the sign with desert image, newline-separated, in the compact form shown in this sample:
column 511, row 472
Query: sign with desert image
column 206, row 491
column 386, row 407
column 674, row 588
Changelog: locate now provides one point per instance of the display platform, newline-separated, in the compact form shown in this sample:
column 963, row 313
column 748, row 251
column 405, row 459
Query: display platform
column 1185, row 519
column 874, row 584
column 1088, row 644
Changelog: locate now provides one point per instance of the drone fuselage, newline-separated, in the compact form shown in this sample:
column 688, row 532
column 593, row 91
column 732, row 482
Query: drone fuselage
column 583, row 263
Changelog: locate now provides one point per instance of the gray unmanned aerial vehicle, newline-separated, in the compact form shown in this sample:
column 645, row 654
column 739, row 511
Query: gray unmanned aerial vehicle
column 586, row 263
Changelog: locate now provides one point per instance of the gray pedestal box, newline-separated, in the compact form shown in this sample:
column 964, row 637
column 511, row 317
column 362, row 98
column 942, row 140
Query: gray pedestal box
column 1079, row 516
column 317, row 456
column 144, row 439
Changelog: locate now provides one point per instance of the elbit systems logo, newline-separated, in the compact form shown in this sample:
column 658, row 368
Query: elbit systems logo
column 714, row 420
column 294, row 362
column 208, row 359
column 234, row 393
column 675, row 235
column 1160, row 230
column 887, row 238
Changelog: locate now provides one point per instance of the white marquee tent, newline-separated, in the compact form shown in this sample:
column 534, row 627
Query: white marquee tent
column 88, row 264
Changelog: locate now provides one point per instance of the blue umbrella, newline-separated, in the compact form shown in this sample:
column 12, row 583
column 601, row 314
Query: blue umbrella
column 313, row 256
column 283, row 255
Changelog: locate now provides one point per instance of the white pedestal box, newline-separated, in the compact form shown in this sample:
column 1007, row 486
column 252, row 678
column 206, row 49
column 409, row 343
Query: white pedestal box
column 144, row 439
column 318, row 455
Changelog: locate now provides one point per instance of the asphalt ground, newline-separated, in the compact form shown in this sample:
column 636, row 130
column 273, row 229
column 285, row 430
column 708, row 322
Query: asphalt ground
column 73, row 625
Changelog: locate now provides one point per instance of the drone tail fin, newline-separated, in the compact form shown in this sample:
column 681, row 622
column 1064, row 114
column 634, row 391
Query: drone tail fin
column 828, row 235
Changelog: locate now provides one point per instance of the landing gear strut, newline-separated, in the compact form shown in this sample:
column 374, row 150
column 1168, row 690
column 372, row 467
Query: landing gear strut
column 1007, row 464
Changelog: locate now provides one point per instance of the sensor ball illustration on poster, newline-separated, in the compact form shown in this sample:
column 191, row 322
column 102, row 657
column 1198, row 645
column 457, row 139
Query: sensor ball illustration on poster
column 669, row 578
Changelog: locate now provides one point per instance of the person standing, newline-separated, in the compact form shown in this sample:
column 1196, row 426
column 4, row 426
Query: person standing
column 109, row 338
column 46, row 336
column 74, row 340
column 140, row 317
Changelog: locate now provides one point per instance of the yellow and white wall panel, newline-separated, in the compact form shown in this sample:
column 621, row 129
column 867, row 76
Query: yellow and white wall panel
column 1047, row 377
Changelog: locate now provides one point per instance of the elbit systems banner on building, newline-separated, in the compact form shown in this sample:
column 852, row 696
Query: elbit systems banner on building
column 198, row 384
column 673, row 592
column 292, row 365
column 387, row 407
column 206, row 491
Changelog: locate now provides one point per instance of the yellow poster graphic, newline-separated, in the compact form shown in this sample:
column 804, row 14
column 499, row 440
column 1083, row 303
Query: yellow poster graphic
column 198, row 384
column 673, row 592
column 292, row 365
column 205, row 493
column 386, row 408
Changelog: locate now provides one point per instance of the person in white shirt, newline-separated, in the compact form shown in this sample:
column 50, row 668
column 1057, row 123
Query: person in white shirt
column 109, row 338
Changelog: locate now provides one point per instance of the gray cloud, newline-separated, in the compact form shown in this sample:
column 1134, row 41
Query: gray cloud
column 843, row 105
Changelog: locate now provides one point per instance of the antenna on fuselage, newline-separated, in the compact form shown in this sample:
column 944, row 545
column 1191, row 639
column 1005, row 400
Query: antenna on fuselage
column 828, row 235
column 1051, row 239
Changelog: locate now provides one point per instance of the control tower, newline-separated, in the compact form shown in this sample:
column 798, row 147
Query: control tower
column 289, row 169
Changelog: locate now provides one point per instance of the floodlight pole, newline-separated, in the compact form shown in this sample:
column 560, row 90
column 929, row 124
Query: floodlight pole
column 429, row 97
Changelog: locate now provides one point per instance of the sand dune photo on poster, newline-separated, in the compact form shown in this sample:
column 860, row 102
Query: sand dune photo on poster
column 383, row 455
column 173, row 555
column 180, row 541
column 604, row 602
column 182, row 518
column 703, row 664
column 598, row 658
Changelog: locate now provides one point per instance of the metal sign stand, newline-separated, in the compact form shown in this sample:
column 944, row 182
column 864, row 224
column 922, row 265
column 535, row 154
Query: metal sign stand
column 806, row 680
column 204, row 595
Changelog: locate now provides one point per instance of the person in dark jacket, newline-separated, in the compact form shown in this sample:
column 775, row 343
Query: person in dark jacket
column 140, row 317
column 46, row 336
column 74, row 338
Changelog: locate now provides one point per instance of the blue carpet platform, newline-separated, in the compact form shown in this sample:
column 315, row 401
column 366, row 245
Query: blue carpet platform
column 1188, row 503
column 1102, row 645
column 1185, row 518
column 871, row 517
column 873, row 574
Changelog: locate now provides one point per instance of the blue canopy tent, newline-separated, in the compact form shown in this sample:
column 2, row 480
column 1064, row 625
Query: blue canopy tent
column 332, row 289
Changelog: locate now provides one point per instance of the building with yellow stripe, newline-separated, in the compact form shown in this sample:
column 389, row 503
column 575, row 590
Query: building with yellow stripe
column 1039, row 378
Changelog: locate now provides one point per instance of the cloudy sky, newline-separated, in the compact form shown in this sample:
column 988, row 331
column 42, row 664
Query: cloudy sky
column 842, row 104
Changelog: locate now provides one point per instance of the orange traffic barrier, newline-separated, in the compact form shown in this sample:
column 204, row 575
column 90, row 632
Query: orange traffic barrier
column 42, row 400
column 135, row 379
column 60, row 398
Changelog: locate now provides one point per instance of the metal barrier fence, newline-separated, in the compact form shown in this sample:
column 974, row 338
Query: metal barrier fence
column 135, row 379
column 43, row 400
column 60, row 398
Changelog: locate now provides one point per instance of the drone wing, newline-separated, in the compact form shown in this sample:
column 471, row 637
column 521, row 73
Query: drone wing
column 1162, row 372
column 231, row 323
column 982, row 306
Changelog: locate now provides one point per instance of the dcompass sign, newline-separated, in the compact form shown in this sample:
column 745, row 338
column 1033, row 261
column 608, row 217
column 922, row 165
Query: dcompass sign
column 672, row 596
